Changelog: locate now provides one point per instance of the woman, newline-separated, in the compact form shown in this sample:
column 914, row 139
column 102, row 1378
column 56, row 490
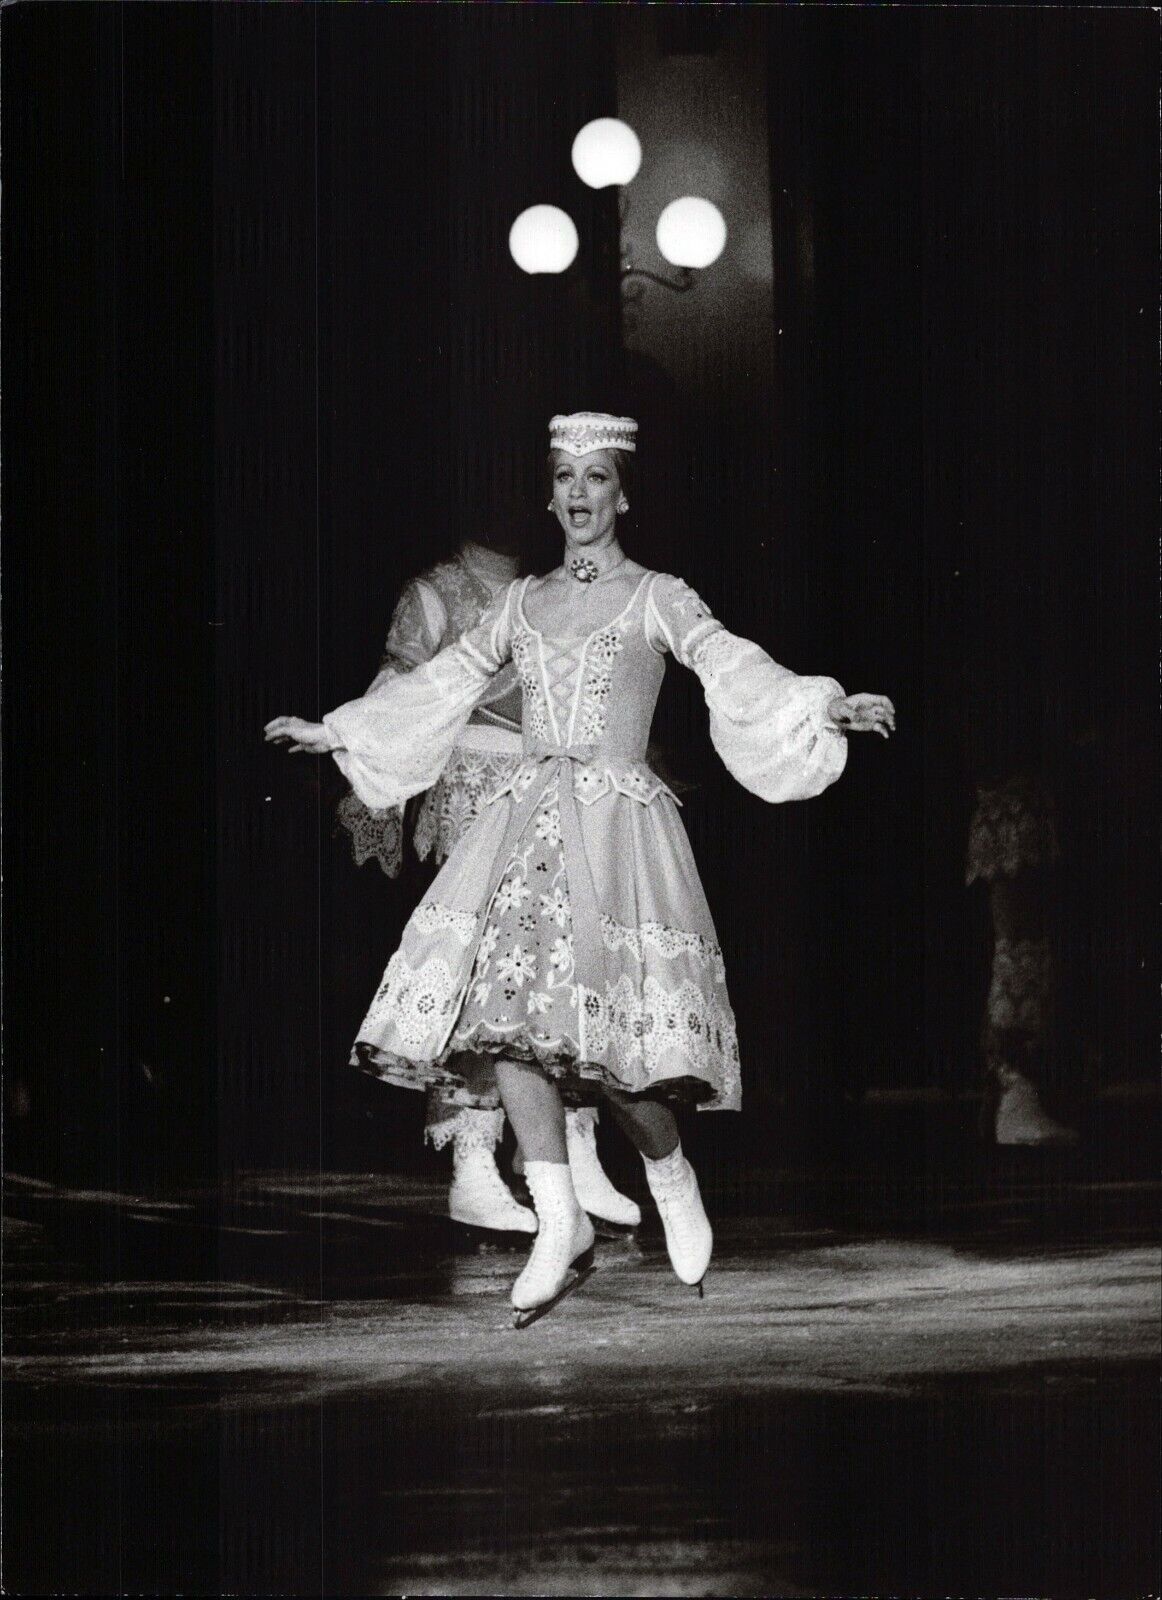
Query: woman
column 433, row 611
column 567, row 939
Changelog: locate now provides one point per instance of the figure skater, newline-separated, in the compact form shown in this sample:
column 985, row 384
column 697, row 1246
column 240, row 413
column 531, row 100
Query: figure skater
column 567, row 942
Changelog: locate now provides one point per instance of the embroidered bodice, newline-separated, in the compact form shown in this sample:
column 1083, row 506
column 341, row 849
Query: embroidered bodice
column 591, row 701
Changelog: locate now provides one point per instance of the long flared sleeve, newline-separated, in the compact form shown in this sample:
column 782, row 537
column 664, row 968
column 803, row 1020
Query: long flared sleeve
column 770, row 726
column 396, row 739
column 413, row 637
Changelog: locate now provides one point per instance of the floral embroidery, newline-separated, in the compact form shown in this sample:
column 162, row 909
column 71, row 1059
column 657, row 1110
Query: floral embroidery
column 516, row 967
column 537, row 940
column 523, row 654
column 511, row 895
column 548, row 826
column 601, row 652
column 430, row 916
column 556, row 907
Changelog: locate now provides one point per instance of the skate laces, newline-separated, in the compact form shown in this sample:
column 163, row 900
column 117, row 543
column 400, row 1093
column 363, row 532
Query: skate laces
column 672, row 1190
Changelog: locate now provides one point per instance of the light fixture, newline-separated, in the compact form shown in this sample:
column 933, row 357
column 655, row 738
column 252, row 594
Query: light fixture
column 543, row 239
column 691, row 232
column 606, row 152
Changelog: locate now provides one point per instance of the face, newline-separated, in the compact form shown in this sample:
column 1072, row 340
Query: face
column 586, row 490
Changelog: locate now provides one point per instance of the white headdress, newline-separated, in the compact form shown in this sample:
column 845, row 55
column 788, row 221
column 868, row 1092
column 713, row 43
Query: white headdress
column 584, row 431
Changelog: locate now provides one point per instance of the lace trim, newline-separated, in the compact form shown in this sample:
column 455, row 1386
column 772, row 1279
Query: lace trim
column 430, row 917
column 646, row 1027
column 471, row 1129
column 416, row 1002
column 375, row 835
column 1021, row 987
column 668, row 942
column 471, row 779
column 1012, row 829
column 645, row 1032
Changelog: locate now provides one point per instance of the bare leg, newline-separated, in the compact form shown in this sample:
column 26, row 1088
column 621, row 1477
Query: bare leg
column 535, row 1110
column 650, row 1126
column 565, row 1234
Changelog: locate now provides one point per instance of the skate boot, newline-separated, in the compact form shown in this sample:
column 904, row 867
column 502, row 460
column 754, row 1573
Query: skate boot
column 562, row 1255
column 689, row 1238
column 1021, row 1119
column 593, row 1189
column 479, row 1196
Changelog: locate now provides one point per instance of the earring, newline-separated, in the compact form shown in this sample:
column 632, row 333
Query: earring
column 549, row 507
column 623, row 505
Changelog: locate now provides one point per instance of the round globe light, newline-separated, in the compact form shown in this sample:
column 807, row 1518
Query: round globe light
column 691, row 232
column 606, row 151
column 543, row 239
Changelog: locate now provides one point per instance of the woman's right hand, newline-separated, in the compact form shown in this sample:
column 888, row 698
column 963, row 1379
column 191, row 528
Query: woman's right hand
column 309, row 738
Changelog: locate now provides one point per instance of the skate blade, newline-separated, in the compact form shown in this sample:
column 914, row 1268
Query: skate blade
column 525, row 1319
column 612, row 1230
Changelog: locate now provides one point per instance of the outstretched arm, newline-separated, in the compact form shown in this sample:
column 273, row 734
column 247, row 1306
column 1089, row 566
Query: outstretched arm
column 781, row 735
column 395, row 740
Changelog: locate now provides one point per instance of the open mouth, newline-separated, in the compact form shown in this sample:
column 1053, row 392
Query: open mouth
column 578, row 516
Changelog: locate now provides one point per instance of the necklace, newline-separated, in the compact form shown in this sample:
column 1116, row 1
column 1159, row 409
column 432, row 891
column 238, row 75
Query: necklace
column 585, row 570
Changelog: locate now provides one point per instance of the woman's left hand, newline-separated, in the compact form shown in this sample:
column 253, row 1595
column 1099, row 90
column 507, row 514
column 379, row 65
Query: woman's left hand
column 864, row 713
column 307, row 738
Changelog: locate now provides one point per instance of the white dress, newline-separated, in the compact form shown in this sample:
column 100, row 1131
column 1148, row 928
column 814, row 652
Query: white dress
column 569, row 925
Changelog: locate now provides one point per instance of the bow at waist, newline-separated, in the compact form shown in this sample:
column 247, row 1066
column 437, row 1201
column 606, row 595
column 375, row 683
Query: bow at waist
column 583, row 755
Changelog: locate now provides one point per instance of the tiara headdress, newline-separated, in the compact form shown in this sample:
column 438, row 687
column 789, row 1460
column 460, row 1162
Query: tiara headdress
column 584, row 431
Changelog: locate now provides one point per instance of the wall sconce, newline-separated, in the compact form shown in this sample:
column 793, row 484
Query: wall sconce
column 543, row 239
column 606, row 152
column 691, row 232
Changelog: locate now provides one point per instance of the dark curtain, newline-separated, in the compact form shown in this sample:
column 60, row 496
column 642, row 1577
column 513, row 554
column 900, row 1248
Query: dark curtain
column 965, row 213
column 266, row 356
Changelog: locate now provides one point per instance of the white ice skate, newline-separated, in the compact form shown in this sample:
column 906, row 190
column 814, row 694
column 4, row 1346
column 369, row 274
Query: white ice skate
column 590, row 1181
column 479, row 1196
column 1022, row 1119
column 689, row 1237
column 562, row 1255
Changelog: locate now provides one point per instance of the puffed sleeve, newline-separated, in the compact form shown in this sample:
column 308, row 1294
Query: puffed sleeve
column 770, row 726
column 395, row 740
column 416, row 631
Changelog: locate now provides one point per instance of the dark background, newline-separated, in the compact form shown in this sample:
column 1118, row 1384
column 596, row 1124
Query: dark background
column 266, row 355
